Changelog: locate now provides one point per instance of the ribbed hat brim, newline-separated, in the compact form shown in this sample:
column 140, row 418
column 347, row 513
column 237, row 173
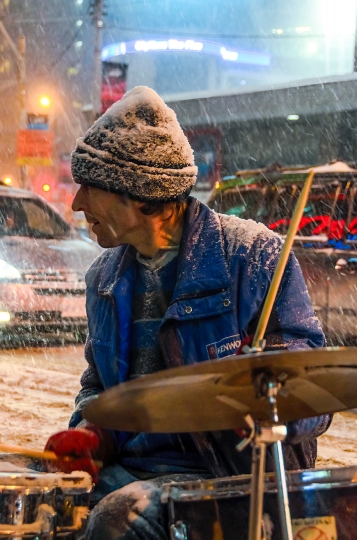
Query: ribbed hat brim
column 148, row 184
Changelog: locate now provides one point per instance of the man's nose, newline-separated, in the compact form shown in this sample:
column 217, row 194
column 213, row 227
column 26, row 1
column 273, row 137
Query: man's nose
column 78, row 201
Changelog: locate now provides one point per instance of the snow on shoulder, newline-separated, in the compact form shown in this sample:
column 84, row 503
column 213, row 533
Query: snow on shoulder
column 246, row 232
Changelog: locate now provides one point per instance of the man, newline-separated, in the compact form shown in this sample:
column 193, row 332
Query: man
column 178, row 284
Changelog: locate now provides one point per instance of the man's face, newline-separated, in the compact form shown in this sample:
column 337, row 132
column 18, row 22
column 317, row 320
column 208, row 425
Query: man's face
column 115, row 220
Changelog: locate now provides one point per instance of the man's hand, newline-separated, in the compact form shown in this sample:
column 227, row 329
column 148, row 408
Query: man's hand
column 82, row 445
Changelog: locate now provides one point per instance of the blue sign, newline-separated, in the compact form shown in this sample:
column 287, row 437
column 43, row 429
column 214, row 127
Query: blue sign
column 37, row 121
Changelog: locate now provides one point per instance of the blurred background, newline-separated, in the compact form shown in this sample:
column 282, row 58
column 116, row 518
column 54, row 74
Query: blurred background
column 251, row 82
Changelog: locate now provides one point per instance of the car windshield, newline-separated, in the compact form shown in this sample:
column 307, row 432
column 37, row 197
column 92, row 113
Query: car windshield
column 30, row 217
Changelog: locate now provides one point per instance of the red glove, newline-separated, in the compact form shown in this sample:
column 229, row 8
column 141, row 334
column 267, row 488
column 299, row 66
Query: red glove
column 81, row 444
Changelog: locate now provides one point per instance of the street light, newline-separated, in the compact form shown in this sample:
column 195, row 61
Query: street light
column 45, row 101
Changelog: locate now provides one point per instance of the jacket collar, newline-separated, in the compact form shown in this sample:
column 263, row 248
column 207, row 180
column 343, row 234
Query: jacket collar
column 119, row 260
column 202, row 265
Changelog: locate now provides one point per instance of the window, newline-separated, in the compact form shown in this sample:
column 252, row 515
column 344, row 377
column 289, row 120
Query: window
column 30, row 217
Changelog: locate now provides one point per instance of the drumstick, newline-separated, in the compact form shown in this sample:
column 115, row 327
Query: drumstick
column 283, row 259
column 41, row 454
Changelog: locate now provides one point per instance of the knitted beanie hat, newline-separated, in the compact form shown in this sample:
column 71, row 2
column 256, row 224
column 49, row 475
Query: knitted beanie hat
column 136, row 148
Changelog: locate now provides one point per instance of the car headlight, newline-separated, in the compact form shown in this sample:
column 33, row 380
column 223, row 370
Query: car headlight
column 7, row 271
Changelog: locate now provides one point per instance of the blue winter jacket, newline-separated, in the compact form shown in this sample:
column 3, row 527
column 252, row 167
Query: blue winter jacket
column 225, row 266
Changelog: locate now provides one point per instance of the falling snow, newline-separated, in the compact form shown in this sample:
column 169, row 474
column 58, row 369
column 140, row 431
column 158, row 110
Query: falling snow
column 39, row 387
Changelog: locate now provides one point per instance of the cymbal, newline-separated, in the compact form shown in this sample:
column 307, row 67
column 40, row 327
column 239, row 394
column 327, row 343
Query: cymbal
column 218, row 394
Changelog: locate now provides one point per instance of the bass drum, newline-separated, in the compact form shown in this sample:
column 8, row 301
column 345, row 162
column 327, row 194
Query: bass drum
column 323, row 506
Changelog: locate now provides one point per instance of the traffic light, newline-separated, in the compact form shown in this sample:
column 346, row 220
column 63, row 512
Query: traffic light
column 45, row 101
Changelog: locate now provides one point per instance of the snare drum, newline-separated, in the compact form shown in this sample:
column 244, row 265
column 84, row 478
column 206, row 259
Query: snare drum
column 323, row 506
column 43, row 506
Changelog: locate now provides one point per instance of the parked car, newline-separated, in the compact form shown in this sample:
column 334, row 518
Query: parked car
column 326, row 241
column 43, row 261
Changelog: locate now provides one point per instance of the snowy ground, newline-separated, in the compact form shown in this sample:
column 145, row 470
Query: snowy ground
column 38, row 387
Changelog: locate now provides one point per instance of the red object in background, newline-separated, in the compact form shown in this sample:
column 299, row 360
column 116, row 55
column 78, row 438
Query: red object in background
column 64, row 169
column 42, row 179
column 206, row 144
column 33, row 143
column 318, row 225
column 113, row 83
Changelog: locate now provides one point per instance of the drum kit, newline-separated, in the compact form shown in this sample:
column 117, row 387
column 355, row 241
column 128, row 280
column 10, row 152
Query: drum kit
column 259, row 392
column 47, row 506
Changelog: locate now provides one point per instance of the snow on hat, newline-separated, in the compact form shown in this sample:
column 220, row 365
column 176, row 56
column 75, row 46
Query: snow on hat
column 136, row 148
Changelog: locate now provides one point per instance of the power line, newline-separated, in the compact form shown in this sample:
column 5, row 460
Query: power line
column 46, row 21
column 62, row 53
column 170, row 32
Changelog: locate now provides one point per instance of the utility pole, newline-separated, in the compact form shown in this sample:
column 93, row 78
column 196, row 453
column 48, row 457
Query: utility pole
column 22, row 103
column 97, row 15
column 19, row 52
column 22, row 82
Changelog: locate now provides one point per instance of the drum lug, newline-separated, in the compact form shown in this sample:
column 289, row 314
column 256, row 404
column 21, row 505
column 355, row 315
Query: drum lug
column 178, row 531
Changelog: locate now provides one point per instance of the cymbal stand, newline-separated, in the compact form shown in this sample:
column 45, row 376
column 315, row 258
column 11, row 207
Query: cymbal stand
column 267, row 386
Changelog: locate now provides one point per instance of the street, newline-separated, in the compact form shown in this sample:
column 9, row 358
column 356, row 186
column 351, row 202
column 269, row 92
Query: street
column 39, row 386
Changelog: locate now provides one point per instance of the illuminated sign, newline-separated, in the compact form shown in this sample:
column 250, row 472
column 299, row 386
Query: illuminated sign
column 170, row 44
column 34, row 147
column 229, row 55
column 186, row 45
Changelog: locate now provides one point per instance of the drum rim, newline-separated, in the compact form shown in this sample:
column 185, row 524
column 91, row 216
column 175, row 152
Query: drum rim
column 77, row 482
column 321, row 478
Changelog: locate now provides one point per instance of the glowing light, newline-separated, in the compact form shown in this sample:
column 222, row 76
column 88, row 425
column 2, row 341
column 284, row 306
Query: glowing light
column 279, row 31
column 301, row 29
column 7, row 180
column 170, row 44
column 7, row 271
column 79, row 2
column 72, row 71
column 46, row 187
column 216, row 185
column 79, row 44
column 190, row 45
column 45, row 101
column 79, row 23
column 5, row 316
column 293, row 117
column 114, row 50
column 312, row 48
column 229, row 55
